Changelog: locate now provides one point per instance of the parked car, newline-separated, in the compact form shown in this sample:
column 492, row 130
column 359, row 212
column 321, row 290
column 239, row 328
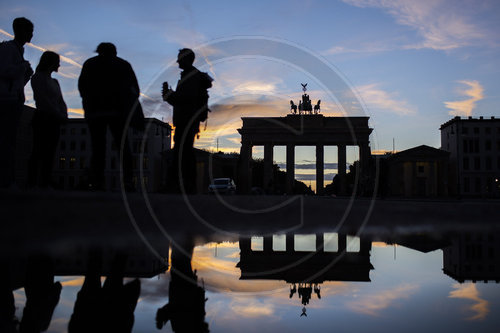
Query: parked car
column 222, row 186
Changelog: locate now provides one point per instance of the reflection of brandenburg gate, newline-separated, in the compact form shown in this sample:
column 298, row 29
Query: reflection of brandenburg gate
column 302, row 130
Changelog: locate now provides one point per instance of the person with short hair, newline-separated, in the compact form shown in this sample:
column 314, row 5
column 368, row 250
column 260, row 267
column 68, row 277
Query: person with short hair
column 15, row 72
column 190, row 104
column 110, row 92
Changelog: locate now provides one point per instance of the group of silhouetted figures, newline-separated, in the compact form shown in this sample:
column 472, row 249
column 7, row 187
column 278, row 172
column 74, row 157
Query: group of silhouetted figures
column 100, row 307
column 110, row 98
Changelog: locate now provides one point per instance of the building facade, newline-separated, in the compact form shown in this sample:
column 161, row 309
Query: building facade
column 474, row 146
column 71, row 169
column 418, row 172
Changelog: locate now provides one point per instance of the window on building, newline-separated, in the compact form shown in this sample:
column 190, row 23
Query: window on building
column 476, row 146
column 488, row 163
column 145, row 163
column 466, row 184
column 62, row 162
column 157, row 130
column 420, row 169
column 83, row 146
column 72, row 145
column 84, row 131
column 466, row 163
column 465, row 130
column 72, row 162
column 62, row 145
column 82, row 162
column 477, row 163
column 487, row 145
column 476, row 130
column 477, row 185
column 465, row 146
column 72, row 131
column 487, row 130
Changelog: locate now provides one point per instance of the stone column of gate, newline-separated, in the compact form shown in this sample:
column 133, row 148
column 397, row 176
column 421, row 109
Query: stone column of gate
column 267, row 245
column 290, row 167
column 268, row 167
column 245, row 173
column 290, row 243
column 320, row 168
column 341, row 169
column 364, row 159
column 320, row 242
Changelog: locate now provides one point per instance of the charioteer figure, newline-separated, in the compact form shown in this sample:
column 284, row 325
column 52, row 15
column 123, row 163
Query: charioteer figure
column 305, row 104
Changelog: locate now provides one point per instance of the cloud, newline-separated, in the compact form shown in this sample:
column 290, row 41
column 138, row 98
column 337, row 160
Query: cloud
column 43, row 49
column 465, row 107
column 75, row 113
column 373, row 304
column 480, row 308
column 304, row 176
column 251, row 308
column 308, row 166
column 376, row 98
column 366, row 48
column 442, row 25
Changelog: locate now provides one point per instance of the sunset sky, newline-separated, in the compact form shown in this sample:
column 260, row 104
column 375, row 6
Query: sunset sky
column 411, row 64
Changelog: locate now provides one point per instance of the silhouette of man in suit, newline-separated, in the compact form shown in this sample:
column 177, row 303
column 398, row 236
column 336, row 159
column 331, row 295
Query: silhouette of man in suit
column 190, row 104
column 107, row 85
column 15, row 72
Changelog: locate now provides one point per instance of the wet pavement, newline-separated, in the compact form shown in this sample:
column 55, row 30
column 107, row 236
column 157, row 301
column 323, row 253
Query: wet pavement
column 120, row 264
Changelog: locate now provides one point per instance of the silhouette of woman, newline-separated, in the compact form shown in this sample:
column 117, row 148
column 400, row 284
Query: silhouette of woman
column 50, row 114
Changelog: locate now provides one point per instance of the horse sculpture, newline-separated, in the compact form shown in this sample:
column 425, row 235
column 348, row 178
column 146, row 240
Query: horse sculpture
column 293, row 107
column 316, row 107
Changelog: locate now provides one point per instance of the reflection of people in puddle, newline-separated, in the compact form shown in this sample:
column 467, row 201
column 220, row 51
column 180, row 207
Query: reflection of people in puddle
column 186, row 300
column 109, row 308
column 303, row 312
column 42, row 296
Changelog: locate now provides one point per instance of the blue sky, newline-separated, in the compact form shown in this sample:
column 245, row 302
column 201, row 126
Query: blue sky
column 413, row 64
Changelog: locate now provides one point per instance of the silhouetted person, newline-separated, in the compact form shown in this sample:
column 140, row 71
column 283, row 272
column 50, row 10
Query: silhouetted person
column 42, row 295
column 109, row 308
column 15, row 72
column 110, row 92
column 186, row 300
column 51, row 112
column 190, row 104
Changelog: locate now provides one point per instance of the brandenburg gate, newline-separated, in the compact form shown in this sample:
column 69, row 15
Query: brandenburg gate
column 303, row 128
